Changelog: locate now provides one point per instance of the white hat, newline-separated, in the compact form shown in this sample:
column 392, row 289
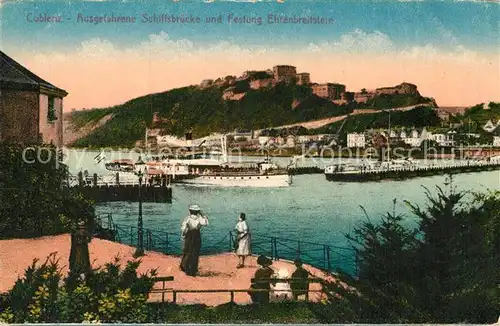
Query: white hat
column 194, row 207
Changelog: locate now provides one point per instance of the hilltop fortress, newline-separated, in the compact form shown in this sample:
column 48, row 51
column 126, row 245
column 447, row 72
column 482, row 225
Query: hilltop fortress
column 335, row 92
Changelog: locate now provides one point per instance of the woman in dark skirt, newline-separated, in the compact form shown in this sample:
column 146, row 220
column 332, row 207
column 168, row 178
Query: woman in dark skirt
column 192, row 240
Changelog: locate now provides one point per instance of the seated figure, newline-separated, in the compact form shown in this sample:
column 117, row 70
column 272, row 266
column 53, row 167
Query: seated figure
column 282, row 291
column 300, row 284
column 259, row 281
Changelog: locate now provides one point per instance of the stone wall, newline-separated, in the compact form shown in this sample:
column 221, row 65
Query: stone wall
column 330, row 91
column 284, row 73
column 404, row 88
column 260, row 83
column 304, row 78
column 19, row 116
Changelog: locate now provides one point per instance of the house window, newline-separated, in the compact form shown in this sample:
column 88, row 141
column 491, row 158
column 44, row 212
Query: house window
column 51, row 110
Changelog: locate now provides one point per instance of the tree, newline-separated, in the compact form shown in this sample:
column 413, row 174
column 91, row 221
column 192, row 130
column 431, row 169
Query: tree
column 444, row 271
column 34, row 195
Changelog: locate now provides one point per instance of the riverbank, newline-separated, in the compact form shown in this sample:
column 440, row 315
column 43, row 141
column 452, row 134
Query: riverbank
column 216, row 271
column 326, row 152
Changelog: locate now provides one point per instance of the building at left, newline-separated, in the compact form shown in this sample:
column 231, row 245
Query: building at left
column 31, row 108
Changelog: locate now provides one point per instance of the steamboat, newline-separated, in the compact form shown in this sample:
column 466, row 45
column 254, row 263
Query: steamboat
column 200, row 168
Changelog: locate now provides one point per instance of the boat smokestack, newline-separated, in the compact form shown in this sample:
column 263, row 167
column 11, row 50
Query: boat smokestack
column 223, row 141
column 189, row 139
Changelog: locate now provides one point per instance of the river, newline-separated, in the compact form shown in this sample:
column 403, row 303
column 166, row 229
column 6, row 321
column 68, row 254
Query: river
column 311, row 209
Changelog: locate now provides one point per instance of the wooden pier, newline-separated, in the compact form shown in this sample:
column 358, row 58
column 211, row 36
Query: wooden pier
column 99, row 191
column 305, row 170
column 409, row 172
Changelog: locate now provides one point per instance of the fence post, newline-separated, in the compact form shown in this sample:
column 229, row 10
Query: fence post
column 174, row 299
column 131, row 235
column 328, row 257
column 357, row 265
column 163, row 292
column 275, row 249
column 232, row 296
column 272, row 249
column 230, row 241
column 150, row 240
column 324, row 256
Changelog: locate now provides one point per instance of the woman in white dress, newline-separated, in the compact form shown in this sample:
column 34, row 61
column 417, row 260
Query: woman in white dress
column 243, row 240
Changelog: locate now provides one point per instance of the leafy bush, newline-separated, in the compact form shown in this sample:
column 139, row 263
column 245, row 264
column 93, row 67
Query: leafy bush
column 109, row 294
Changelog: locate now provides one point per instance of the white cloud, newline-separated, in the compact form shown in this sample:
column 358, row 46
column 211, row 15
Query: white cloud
column 357, row 41
column 97, row 48
column 377, row 43
column 162, row 44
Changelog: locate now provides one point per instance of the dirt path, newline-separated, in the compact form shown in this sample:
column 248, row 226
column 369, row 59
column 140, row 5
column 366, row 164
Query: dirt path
column 70, row 135
column 315, row 124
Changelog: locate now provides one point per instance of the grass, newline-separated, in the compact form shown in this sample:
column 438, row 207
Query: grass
column 285, row 312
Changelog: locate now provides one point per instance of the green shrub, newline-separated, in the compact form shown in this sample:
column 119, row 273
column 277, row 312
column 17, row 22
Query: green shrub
column 443, row 271
column 109, row 294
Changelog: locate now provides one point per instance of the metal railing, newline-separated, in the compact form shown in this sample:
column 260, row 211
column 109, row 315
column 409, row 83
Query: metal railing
column 322, row 256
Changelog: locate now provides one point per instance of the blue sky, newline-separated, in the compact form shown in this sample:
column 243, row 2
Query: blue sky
column 440, row 23
column 450, row 49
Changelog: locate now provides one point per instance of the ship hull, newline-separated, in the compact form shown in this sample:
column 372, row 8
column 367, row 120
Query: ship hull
column 270, row 181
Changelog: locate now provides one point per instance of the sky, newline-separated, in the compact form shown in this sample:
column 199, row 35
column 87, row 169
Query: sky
column 449, row 49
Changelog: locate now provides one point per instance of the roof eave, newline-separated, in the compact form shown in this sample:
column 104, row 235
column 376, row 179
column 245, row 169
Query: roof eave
column 53, row 91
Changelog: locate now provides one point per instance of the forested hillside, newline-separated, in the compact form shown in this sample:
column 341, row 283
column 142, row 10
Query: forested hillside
column 204, row 111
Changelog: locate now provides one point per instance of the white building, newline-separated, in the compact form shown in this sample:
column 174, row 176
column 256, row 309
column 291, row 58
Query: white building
column 169, row 140
column 444, row 139
column 290, row 141
column 264, row 140
column 356, row 140
column 414, row 140
column 496, row 141
column 490, row 126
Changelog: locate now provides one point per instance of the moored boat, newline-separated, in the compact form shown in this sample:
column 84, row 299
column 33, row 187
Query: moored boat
column 121, row 165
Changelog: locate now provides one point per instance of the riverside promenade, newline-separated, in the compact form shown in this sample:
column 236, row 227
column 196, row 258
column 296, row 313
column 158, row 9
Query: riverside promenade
column 217, row 271
column 325, row 257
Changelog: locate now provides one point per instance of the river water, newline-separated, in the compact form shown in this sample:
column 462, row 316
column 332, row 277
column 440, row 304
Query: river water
column 311, row 209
